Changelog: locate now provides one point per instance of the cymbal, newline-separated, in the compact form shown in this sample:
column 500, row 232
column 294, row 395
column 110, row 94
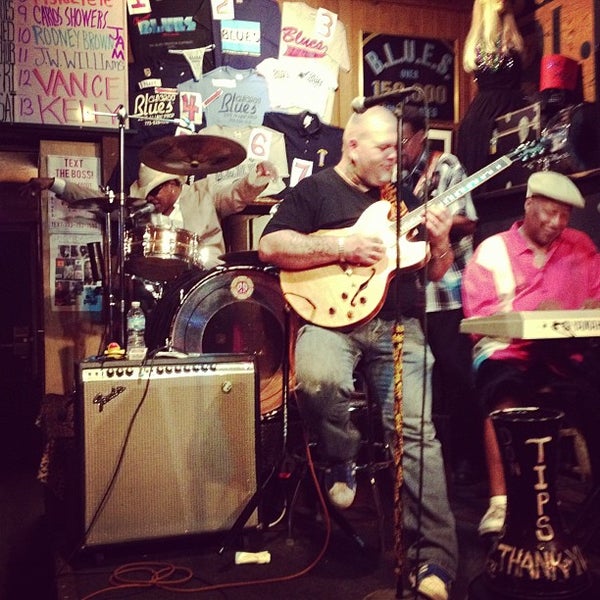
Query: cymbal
column 106, row 204
column 194, row 154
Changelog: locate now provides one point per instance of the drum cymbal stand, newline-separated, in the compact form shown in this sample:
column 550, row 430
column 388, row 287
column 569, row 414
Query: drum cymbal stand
column 255, row 500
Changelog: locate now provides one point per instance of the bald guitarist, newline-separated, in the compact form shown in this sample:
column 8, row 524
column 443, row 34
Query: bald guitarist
column 319, row 226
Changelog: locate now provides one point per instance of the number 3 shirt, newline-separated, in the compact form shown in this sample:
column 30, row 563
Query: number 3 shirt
column 313, row 33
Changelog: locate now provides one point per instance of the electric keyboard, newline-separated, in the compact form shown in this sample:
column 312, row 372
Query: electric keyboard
column 536, row 324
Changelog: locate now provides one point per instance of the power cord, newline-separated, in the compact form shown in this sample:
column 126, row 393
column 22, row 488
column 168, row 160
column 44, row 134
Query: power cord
column 167, row 576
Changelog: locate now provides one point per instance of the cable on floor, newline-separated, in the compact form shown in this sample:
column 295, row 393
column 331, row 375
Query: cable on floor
column 171, row 577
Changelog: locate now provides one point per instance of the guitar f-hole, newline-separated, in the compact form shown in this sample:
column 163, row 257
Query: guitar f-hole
column 361, row 287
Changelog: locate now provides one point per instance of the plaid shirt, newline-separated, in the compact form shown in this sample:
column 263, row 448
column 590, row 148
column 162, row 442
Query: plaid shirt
column 446, row 293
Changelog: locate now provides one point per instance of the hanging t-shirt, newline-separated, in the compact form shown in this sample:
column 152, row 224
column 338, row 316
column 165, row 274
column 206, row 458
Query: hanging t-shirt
column 176, row 24
column 153, row 105
column 153, row 95
column 251, row 36
column 297, row 84
column 313, row 33
column 229, row 97
column 261, row 143
column 310, row 144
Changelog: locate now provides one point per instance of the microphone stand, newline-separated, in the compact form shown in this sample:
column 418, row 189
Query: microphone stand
column 397, row 342
column 122, row 116
column 119, row 333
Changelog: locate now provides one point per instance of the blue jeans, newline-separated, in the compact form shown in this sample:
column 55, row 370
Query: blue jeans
column 325, row 361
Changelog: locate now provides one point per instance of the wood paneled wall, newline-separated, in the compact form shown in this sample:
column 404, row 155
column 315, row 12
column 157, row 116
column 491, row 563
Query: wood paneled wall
column 572, row 28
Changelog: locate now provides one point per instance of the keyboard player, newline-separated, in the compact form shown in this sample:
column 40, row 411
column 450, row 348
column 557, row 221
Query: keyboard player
column 540, row 263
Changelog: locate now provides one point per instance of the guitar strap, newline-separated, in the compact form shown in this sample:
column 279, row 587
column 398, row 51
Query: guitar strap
column 389, row 193
column 426, row 181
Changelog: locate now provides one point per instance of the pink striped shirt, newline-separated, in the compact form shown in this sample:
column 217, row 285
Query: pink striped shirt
column 502, row 277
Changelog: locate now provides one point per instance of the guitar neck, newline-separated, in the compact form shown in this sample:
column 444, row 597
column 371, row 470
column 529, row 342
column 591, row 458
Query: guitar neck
column 413, row 219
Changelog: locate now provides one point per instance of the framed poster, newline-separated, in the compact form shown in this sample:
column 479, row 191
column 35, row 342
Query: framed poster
column 440, row 139
column 394, row 62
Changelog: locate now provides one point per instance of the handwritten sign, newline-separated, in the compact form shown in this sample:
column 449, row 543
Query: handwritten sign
column 70, row 61
column 393, row 62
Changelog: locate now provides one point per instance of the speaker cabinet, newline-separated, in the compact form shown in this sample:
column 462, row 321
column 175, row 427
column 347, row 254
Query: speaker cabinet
column 168, row 448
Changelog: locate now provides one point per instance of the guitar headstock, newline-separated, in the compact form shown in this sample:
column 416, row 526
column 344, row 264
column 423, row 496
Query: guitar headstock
column 531, row 150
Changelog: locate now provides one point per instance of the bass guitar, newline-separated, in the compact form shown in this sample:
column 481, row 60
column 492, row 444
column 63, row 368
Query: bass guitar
column 341, row 295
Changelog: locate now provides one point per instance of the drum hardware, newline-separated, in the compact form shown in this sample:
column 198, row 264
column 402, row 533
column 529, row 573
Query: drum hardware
column 96, row 256
column 194, row 154
column 154, row 288
column 197, row 157
column 235, row 308
column 106, row 204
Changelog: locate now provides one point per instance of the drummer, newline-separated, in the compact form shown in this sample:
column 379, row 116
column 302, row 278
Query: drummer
column 197, row 207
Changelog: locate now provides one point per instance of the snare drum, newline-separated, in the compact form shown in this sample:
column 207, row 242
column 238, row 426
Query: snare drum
column 229, row 309
column 160, row 253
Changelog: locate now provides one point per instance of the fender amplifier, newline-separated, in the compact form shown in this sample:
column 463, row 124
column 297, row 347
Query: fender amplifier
column 168, row 447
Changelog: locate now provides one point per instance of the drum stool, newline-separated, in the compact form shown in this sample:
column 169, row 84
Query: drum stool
column 374, row 455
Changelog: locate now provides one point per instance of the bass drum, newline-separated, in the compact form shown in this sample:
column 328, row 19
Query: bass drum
column 231, row 308
column 573, row 136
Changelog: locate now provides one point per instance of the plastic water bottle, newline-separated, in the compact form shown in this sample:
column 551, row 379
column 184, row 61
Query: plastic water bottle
column 136, row 327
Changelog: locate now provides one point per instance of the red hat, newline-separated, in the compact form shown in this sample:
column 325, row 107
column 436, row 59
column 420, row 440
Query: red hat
column 558, row 72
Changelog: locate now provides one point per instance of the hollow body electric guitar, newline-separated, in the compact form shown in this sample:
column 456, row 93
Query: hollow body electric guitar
column 341, row 295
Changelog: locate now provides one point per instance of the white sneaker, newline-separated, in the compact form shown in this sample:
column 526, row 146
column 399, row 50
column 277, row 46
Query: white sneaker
column 340, row 482
column 493, row 520
column 430, row 581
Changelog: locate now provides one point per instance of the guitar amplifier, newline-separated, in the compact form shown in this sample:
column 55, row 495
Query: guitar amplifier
column 511, row 130
column 167, row 448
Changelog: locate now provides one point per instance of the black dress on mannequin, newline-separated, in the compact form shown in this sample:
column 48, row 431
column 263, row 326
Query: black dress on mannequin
column 499, row 92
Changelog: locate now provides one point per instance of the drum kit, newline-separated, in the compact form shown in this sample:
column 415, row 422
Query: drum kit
column 236, row 307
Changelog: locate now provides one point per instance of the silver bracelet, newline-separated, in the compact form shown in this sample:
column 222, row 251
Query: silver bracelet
column 341, row 249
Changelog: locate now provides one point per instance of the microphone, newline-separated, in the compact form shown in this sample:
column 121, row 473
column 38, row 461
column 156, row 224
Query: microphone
column 360, row 103
column 145, row 210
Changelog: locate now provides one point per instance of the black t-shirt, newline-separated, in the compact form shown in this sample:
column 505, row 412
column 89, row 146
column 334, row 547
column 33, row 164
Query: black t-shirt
column 326, row 201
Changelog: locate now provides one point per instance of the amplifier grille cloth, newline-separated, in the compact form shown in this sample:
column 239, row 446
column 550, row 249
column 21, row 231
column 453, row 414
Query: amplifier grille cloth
column 190, row 463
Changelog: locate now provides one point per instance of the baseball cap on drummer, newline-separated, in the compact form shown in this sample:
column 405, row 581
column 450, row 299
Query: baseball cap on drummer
column 554, row 186
column 148, row 179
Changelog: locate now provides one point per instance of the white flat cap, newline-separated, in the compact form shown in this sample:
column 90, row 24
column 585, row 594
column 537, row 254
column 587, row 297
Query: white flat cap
column 148, row 179
column 554, row 186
